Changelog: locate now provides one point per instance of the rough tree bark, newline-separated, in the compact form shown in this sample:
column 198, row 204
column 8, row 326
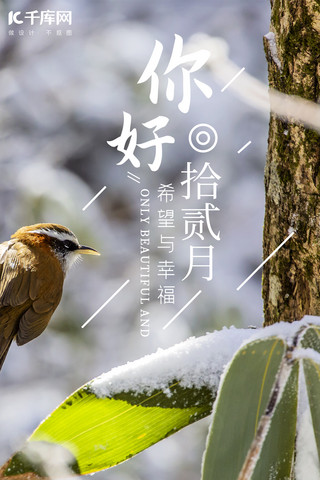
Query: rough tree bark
column 291, row 278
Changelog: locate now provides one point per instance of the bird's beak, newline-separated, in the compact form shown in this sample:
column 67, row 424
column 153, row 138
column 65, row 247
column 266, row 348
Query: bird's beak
column 87, row 250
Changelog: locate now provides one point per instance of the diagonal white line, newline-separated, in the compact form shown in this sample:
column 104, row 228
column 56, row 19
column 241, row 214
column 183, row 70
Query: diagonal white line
column 105, row 303
column 232, row 79
column 265, row 261
column 131, row 177
column 94, row 198
column 244, row 146
column 182, row 309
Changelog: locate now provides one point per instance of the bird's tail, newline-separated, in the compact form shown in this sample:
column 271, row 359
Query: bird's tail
column 4, row 351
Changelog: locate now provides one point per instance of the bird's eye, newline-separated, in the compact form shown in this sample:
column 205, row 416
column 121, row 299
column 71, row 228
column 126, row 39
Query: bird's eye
column 68, row 245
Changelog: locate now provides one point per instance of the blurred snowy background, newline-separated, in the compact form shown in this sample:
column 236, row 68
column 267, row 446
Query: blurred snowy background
column 62, row 98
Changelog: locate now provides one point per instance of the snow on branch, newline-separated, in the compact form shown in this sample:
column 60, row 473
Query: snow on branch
column 196, row 362
column 251, row 90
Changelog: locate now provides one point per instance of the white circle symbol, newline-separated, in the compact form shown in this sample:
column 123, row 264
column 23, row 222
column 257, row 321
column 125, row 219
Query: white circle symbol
column 203, row 138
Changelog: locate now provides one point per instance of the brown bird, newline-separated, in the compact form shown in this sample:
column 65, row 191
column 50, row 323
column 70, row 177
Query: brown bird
column 33, row 265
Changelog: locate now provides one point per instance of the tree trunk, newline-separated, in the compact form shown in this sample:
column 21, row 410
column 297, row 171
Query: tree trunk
column 291, row 278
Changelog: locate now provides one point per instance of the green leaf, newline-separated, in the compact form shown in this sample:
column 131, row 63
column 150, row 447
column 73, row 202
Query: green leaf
column 277, row 454
column 311, row 338
column 102, row 432
column 311, row 368
column 242, row 400
column 312, row 376
column 130, row 408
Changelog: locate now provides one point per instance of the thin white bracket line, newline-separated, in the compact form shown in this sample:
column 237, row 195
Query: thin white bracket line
column 244, row 146
column 265, row 261
column 182, row 309
column 232, row 79
column 94, row 198
column 105, row 303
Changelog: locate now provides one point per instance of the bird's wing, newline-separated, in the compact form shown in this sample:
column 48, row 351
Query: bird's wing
column 15, row 276
column 14, row 298
column 32, row 324
column 27, row 298
column 45, row 290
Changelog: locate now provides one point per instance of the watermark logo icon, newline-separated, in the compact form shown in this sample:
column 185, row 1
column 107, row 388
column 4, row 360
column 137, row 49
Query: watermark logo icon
column 40, row 21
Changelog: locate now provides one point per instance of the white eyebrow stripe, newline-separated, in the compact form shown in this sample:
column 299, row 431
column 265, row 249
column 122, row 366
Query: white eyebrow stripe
column 62, row 236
